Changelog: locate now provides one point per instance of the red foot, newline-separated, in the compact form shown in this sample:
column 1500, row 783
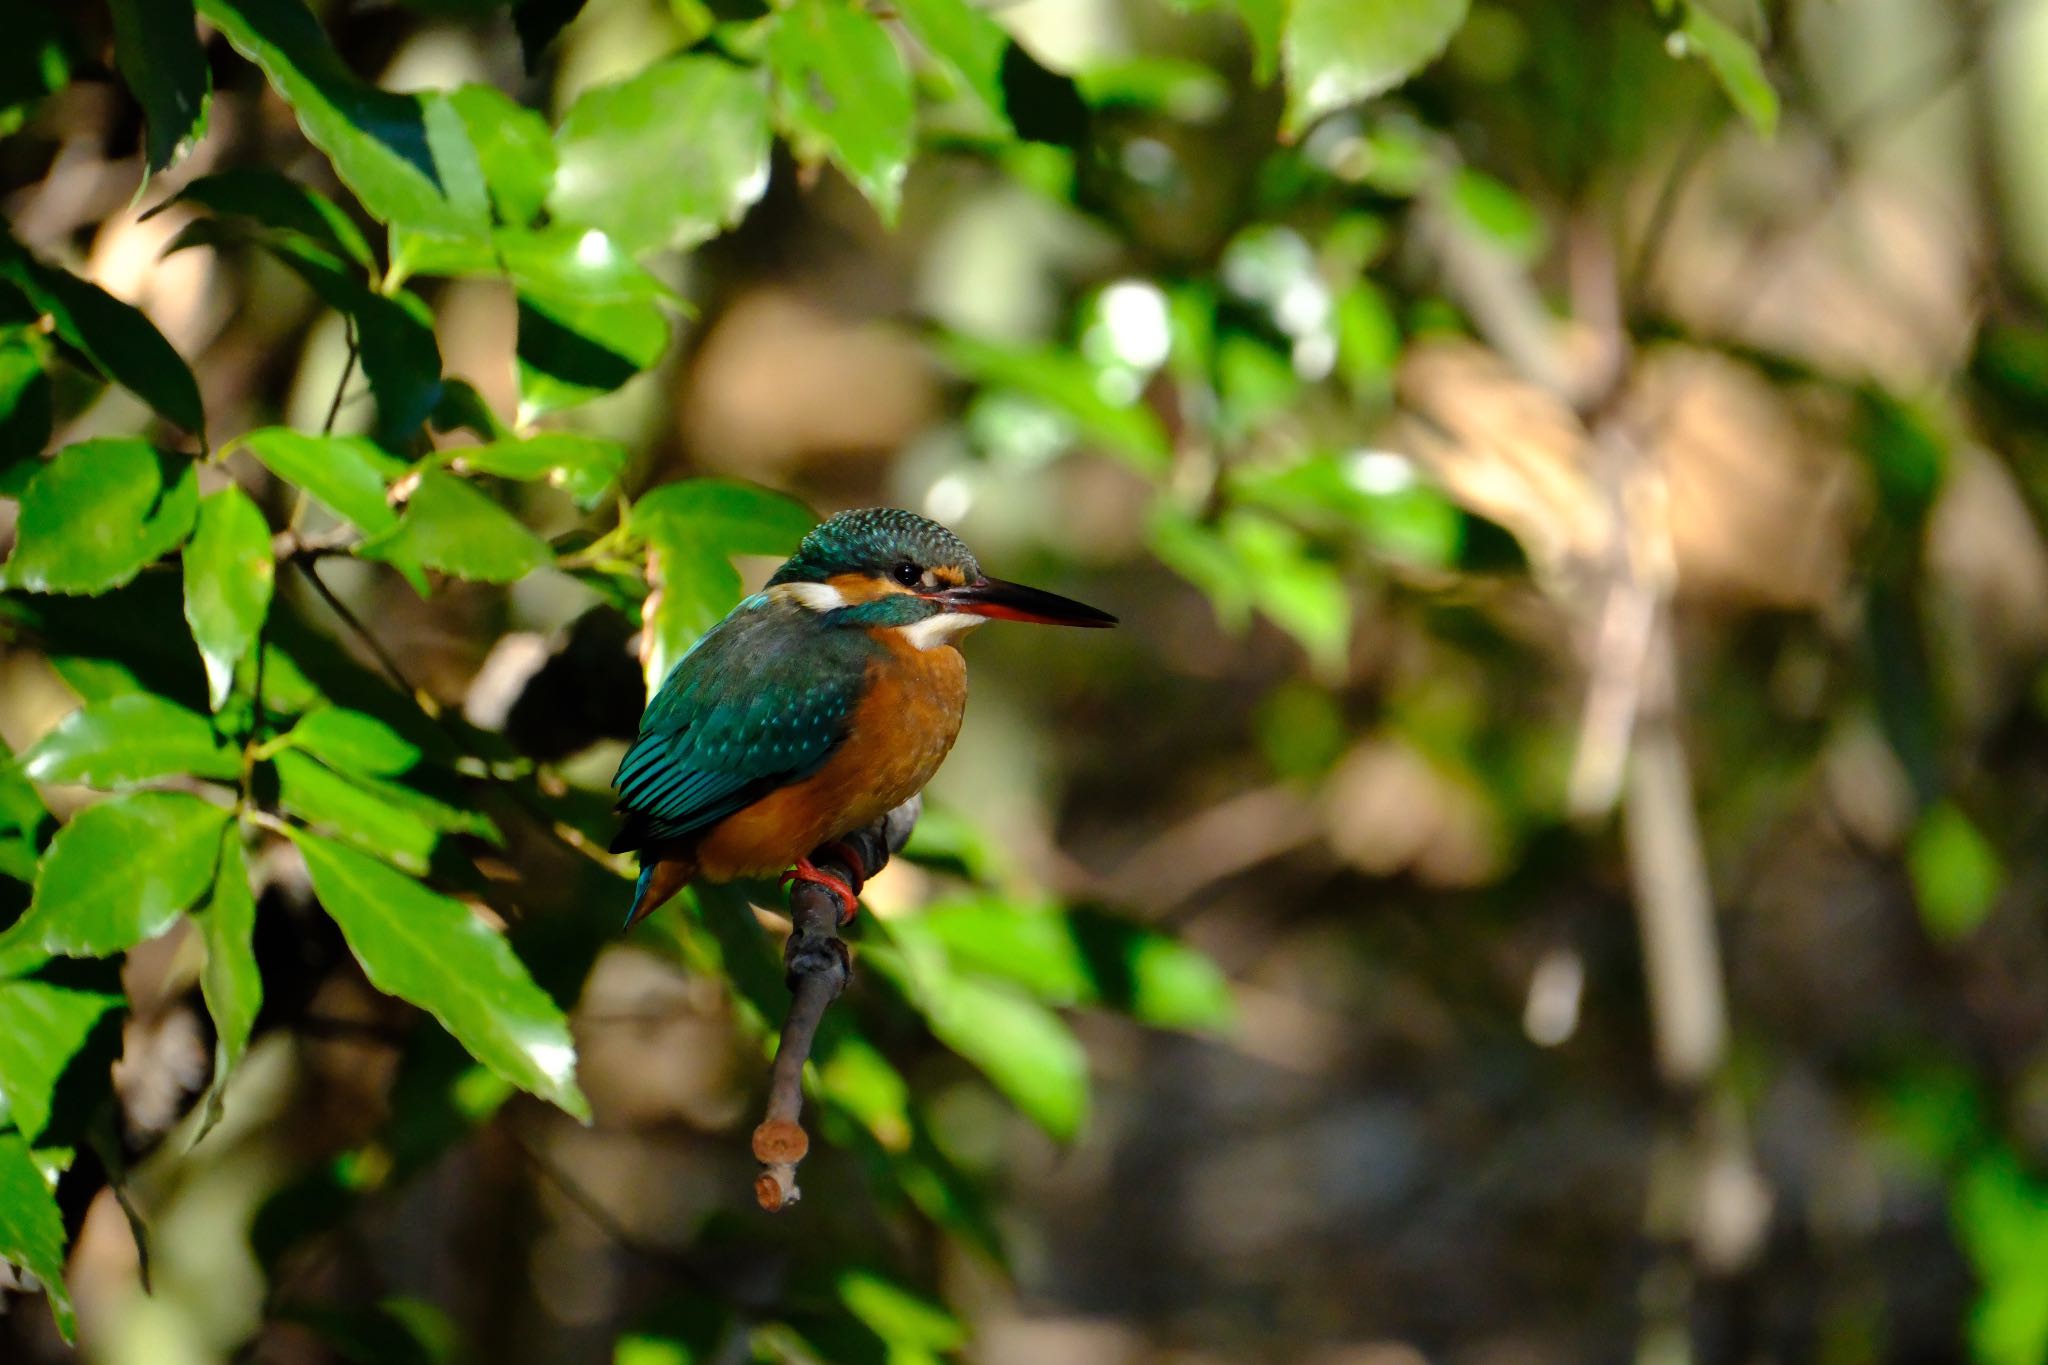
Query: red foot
column 805, row 872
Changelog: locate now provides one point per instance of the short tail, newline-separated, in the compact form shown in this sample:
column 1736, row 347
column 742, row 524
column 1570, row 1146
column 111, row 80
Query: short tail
column 660, row 878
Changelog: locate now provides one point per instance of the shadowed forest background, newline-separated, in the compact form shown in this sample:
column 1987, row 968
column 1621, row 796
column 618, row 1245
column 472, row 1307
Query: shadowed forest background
column 1550, row 868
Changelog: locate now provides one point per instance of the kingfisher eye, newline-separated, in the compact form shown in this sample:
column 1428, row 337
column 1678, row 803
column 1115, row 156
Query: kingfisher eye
column 907, row 574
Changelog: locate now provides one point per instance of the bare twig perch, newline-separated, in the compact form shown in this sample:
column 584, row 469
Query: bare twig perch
column 819, row 968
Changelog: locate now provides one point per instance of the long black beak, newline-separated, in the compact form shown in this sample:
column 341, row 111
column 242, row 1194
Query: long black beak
column 1002, row 601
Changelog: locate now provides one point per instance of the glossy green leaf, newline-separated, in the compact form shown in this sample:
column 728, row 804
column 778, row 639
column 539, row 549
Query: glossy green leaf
column 966, row 42
column 726, row 515
column 695, row 585
column 1024, row 1048
column 320, row 796
column 118, row 340
column 93, row 516
column 229, row 574
column 571, row 351
column 1071, row 387
column 131, row 739
column 45, row 1024
column 345, row 473
column 31, row 1228
column 451, row 526
column 514, row 145
column 590, row 316
column 842, row 90
column 282, row 205
column 381, row 144
column 121, row 872
column 230, row 981
column 693, row 528
column 588, row 466
column 353, row 742
column 1734, row 61
column 666, row 158
column 1338, row 52
column 434, row 952
column 156, row 45
column 1080, row 957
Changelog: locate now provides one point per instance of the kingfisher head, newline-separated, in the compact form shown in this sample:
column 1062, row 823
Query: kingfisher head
column 883, row 567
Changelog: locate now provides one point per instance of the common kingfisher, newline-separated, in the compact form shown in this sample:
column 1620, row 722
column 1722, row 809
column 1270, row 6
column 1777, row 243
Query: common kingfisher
column 820, row 704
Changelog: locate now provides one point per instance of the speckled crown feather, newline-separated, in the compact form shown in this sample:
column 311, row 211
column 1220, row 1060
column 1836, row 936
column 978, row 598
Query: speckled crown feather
column 874, row 540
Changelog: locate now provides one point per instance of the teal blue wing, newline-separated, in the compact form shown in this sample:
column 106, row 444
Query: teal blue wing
column 759, row 703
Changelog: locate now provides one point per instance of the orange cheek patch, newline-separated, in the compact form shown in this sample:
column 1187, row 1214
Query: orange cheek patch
column 860, row 587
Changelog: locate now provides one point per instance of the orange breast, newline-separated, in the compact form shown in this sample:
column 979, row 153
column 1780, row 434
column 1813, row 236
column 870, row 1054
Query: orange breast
column 899, row 734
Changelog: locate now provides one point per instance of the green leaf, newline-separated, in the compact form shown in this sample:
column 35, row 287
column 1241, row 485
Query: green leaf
column 381, row 144
column 353, row 742
column 229, row 574
column 230, row 981
column 1734, row 61
column 282, row 205
column 1080, row 957
column 1494, row 211
column 841, row 89
column 725, row 515
column 1069, row 385
column 31, row 1228
column 121, row 872
column 695, row 586
column 967, row 43
column 1266, row 22
column 571, row 351
column 907, row 1321
column 1957, row 875
column 394, row 335
column 434, row 952
column 320, row 796
column 131, row 739
column 453, row 527
column 156, row 45
column 118, row 340
column 590, row 316
column 345, row 473
column 45, row 1024
column 588, row 466
column 515, row 146
column 22, row 817
column 1339, row 52
column 92, row 517
column 26, row 411
column 667, row 158
column 693, row 528
column 1025, row 1049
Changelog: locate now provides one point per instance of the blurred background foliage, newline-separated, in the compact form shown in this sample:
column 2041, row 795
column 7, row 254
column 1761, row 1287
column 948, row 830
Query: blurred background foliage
column 1548, row 871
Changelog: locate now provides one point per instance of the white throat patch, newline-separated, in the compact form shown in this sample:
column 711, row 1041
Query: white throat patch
column 818, row 597
column 943, row 629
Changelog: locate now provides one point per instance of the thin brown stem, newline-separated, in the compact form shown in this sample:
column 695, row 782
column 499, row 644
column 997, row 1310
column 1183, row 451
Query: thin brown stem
column 819, row 968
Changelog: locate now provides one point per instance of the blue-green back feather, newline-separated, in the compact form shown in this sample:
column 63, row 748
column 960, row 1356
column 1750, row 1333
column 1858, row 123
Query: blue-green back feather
column 760, row 702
